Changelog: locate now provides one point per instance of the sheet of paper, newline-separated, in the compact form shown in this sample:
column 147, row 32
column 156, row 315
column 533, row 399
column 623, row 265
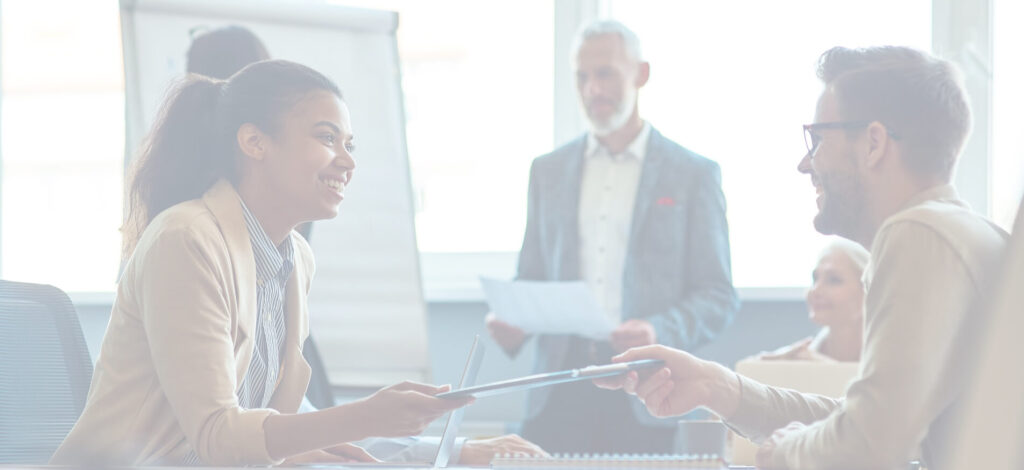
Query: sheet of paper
column 548, row 307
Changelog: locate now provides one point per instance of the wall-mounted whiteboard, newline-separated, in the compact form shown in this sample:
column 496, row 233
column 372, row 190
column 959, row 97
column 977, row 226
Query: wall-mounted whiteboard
column 367, row 310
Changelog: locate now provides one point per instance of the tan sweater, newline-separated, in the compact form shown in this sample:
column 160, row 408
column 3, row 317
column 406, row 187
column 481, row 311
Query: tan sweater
column 930, row 263
column 179, row 342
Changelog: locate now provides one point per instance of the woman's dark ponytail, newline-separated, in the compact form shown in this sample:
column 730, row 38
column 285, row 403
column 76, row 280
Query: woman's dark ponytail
column 181, row 158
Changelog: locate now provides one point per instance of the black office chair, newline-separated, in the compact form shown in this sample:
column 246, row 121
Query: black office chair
column 45, row 371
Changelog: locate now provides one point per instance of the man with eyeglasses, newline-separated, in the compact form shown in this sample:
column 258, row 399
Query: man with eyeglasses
column 641, row 220
column 888, row 130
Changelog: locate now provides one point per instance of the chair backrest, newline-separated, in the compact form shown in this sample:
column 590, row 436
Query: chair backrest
column 45, row 371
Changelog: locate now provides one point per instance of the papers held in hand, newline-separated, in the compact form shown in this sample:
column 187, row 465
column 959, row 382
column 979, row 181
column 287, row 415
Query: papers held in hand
column 552, row 378
column 549, row 307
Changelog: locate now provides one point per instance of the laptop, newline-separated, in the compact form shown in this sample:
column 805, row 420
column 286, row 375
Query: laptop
column 451, row 426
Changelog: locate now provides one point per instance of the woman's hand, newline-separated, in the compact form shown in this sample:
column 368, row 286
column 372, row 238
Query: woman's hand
column 400, row 410
column 789, row 352
column 800, row 351
column 405, row 409
column 480, row 452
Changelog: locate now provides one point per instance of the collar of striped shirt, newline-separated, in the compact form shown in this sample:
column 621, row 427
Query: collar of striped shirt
column 272, row 263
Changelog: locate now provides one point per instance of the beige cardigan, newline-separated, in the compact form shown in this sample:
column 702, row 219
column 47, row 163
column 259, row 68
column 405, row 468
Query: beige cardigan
column 179, row 343
column 930, row 263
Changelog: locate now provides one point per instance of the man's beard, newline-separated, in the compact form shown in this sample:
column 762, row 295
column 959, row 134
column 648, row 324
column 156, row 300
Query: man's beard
column 618, row 119
column 843, row 207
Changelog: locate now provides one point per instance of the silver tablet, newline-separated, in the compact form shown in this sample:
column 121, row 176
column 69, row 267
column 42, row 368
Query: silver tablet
column 553, row 378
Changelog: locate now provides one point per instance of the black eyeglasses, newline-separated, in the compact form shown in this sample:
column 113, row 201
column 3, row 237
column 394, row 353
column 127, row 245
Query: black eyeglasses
column 812, row 139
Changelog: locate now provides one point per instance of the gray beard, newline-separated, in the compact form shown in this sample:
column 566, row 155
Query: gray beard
column 615, row 121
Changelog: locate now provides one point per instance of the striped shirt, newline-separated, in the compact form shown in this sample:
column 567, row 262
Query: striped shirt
column 273, row 268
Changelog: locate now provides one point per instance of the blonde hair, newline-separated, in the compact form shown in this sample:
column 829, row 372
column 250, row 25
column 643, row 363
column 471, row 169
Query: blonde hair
column 852, row 250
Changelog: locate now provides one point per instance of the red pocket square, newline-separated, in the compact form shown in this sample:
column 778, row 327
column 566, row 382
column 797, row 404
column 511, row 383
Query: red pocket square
column 666, row 201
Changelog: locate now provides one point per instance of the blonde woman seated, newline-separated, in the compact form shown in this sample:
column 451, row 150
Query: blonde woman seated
column 836, row 302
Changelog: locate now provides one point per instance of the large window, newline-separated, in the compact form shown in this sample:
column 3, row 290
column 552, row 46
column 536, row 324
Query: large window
column 733, row 80
column 478, row 97
column 1007, row 168
column 63, row 142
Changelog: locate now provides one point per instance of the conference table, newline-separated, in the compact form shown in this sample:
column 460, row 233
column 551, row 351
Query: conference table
column 386, row 466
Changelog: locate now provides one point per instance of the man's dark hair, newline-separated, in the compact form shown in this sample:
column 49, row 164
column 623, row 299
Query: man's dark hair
column 919, row 98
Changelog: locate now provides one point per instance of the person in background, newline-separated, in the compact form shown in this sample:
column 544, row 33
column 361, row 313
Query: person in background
column 641, row 220
column 836, row 303
column 220, row 53
column 223, row 51
column 888, row 130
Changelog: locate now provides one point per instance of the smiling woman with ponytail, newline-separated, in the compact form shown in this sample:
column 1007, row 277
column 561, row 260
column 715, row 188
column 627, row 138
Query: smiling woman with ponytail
column 201, row 362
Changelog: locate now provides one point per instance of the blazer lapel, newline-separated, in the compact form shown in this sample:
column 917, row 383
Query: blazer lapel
column 645, row 191
column 225, row 204
column 567, row 216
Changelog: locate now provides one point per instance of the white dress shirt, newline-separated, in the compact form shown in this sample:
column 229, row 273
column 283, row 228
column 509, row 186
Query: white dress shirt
column 607, row 195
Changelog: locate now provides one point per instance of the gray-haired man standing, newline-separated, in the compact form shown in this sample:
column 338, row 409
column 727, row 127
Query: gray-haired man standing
column 642, row 221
